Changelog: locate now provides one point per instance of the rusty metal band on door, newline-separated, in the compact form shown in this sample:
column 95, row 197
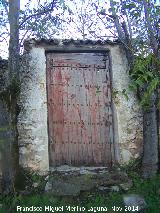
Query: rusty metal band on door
column 79, row 109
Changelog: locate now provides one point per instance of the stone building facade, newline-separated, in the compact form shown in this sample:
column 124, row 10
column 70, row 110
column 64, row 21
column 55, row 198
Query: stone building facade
column 33, row 117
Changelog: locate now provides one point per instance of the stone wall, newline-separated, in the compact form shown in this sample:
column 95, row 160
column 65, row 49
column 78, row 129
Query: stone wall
column 127, row 111
column 32, row 120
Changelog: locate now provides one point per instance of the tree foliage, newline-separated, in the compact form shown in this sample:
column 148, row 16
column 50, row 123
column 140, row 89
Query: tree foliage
column 138, row 29
column 41, row 18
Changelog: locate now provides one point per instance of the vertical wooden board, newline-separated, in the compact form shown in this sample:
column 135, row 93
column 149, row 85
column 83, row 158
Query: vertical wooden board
column 100, row 104
column 79, row 95
column 77, row 137
column 106, row 125
column 66, row 153
column 107, row 106
column 83, row 111
column 49, row 109
column 77, row 115
column 109, row 132
column 96, row 153
column 53, row 119
column 87, row 81
column 70, row 108
column 58, row 112
column 93, row 110
column 66, row 120
column 74, row 118
column 78, row 126
column 98, row 97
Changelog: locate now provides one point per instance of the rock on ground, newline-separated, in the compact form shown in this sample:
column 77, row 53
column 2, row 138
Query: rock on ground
column 69, row 182
column 135, row 200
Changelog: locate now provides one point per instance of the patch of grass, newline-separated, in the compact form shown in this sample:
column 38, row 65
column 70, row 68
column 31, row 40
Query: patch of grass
column 150, row 190
column 93, row 201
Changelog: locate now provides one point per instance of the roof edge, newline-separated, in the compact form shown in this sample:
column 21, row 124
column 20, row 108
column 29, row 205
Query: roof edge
column 59, row 42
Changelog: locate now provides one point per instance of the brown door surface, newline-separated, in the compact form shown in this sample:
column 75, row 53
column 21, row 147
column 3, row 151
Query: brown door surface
column 79, row 109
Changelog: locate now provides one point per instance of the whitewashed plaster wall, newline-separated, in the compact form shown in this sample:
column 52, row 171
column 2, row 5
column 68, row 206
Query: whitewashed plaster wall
column 32, row 120
column 128, row 112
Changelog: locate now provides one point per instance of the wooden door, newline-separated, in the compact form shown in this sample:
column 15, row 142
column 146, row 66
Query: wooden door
column 79, row 109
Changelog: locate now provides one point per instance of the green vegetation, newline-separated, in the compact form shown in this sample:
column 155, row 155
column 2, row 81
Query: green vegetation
column 149, row 189
column 145, row 78
column 11, row 94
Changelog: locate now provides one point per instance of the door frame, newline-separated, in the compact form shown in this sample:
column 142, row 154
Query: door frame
column 81, row 49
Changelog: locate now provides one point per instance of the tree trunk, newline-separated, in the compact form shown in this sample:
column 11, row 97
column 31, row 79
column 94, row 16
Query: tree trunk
column 123, row 35
column 150, row 123
column 5, row 131
column 5, row 145
column 10, row 147
column 150, row 140
column 14, row 8
column 150, row 131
